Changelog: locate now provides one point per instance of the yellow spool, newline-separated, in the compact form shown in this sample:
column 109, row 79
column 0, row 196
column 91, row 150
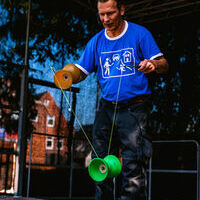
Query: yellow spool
column 64, row 78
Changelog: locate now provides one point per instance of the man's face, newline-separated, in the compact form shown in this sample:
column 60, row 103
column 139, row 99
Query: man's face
column 110, row 15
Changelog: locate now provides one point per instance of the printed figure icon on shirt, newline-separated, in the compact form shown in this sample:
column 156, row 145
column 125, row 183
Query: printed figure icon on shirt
column 107, row 66
column 117, row 63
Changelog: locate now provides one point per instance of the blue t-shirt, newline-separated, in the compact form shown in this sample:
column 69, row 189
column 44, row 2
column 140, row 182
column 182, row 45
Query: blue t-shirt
column 112, row 59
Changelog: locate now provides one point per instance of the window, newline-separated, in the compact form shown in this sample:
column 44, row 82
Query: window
column 34, row 116
column 49, row 143
column 46, row 102
column 35, row 119
column 60, row 144
column 50, row 121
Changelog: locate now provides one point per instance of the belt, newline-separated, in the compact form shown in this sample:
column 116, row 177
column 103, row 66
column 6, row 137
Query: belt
column 137, row 99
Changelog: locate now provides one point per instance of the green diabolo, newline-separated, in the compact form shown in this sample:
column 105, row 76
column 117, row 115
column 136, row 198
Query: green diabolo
column 99, row 169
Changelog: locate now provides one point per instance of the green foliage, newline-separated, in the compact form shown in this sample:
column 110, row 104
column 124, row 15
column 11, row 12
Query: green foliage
column 57, row 28
column 9, row 103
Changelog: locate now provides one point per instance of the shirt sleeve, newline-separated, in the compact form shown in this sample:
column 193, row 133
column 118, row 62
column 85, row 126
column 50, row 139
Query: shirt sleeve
column 149, row 48
column 86, row 63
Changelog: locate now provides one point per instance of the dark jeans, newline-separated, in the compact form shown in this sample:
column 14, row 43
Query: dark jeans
column 131, row 136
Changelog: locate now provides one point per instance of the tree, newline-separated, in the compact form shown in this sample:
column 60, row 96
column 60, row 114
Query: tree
column 9, row 101
column 56, row 30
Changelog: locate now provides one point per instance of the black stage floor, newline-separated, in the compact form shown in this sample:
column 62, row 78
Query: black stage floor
column 16, row 198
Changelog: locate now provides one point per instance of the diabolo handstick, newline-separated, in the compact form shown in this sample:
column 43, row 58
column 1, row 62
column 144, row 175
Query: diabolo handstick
column 100, row 169
column 67, row 76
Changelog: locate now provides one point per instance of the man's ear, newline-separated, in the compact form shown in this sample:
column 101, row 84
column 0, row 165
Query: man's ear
column 122, row 10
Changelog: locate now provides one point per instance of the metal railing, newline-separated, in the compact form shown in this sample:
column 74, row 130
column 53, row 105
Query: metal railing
column 194, row 153
column 196, row 171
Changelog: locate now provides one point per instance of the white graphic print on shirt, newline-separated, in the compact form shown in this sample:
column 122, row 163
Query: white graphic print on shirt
column 117, row 63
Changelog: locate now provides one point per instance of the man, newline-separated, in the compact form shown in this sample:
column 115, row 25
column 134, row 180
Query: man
column 113, row 54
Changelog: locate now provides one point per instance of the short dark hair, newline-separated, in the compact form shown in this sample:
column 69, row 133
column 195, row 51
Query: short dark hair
column 119, row 2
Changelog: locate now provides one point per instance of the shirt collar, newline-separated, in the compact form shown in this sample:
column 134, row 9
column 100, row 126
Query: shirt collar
column 119, row 36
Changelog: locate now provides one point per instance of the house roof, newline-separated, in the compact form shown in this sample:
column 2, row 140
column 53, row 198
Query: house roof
column 148, row 11
column 39, row 95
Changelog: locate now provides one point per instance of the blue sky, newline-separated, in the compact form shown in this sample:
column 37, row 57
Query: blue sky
column 86, row 98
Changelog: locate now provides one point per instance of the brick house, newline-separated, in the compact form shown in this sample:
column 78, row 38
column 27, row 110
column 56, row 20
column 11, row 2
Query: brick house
column 49, row 142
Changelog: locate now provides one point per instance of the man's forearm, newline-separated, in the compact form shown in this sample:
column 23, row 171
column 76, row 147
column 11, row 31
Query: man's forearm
column 161, row 65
